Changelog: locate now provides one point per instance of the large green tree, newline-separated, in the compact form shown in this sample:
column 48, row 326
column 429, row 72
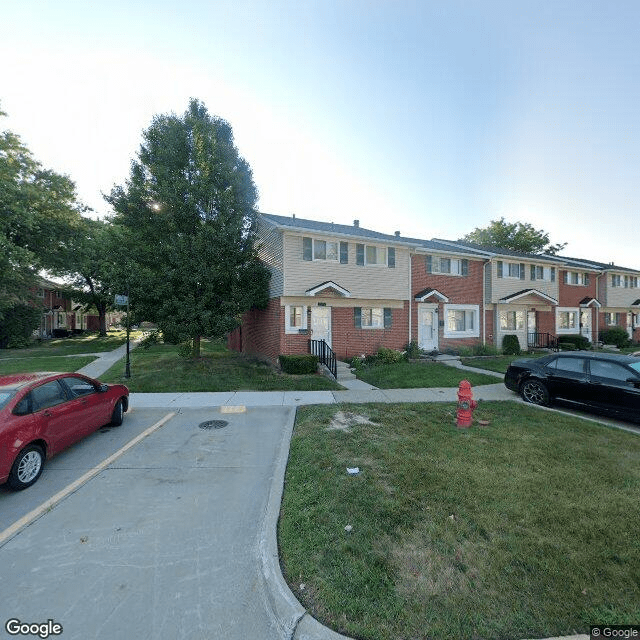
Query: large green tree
column 517, row 236
column 38, row 208
column 189, row 210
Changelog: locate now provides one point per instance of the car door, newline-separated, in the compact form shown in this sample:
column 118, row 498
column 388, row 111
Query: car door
column 614, row 387
column 55, row 416
column 567, row 378
column 89, row 408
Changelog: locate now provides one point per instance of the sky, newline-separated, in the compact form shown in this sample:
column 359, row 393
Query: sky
column 428, row 118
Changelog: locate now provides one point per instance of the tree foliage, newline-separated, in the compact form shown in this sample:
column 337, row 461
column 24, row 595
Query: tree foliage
column 188, row 209
column 517, row 236
column 38, row 208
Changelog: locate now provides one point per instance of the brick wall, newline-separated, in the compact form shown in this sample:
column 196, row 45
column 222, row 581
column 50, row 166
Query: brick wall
column 260, row 331
column 570, row 295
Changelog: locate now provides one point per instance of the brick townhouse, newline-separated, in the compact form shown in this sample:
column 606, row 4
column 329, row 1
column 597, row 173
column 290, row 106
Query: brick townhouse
column 359, row 289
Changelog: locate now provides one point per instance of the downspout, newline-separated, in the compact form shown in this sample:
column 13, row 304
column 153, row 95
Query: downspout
column 484, row 303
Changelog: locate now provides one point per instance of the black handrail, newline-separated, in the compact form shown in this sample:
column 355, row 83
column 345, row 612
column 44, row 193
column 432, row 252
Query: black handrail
column 539, row 340
column 325, row 355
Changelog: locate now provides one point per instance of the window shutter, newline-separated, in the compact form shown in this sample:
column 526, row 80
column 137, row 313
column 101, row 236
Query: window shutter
column 522, row 270
column 553, row 274
column 307, row 249
column 533, row 272
column 586, row 279
column 357, row 317
column 391, row 257
column 429, row 264
column 464, row 267
column 344, row 253
column 565, row 277
column 360, row 254
column 499, row 268
column 388, row 318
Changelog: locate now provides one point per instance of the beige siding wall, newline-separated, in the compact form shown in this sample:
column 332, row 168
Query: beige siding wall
column 617, row 296
column 505, row 286
column 372, row 281
column 270, row 251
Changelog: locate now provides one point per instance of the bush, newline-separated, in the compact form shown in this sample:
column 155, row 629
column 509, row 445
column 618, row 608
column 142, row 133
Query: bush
column 150, row 339
column 299, row 364
column 17, row 326
column 511, row 345
column 412, row 350
column 616, row 336
column 577, row 341
column 388, row 356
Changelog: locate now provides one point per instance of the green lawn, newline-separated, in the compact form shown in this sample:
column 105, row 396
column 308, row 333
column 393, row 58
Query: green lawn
column 497, row 363
column 85, row 343
column 29, row 365
column 409, row 375
column 161, row 369
column 525, row 528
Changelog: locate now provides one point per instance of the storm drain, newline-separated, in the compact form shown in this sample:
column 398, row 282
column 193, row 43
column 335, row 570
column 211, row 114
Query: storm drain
column 213, row 424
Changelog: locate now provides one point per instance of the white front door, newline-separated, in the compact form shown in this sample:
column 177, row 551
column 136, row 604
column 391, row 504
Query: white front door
column 321, row 324
column 630, row 325
column 585, row 323
column 427, row 328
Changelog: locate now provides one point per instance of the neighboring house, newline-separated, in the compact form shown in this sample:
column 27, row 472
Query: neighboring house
column 359, row 290
column 344, row 284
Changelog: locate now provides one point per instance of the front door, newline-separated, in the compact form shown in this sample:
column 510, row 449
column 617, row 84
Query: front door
column 427, row 328
column 585, row 323
column 630, row 325
column 321, row 324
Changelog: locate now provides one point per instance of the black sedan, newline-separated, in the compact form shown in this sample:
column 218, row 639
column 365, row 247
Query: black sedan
column 606, row 383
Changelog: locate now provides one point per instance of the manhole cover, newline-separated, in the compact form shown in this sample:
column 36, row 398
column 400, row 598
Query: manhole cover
column 213, row 424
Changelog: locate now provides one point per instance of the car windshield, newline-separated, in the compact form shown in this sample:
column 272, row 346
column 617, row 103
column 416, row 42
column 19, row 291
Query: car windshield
column 5, row 396
column 635, row 365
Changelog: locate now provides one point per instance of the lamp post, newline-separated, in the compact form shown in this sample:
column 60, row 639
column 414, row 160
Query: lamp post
column 127, row 366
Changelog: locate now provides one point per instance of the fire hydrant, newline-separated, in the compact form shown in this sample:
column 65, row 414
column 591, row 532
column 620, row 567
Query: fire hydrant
column 466, row 404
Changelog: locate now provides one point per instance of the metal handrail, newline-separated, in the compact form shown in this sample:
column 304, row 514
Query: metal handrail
column 325, row 354
column 540, row 340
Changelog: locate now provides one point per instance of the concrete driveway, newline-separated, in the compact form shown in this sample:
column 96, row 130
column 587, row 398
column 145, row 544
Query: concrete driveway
column 165, row 542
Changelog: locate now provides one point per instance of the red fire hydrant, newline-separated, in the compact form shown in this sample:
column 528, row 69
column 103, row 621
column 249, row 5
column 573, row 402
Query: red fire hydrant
column 466, row 404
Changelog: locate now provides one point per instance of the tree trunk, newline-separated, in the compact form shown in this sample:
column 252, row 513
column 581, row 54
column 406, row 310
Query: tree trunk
column 196, row 346
column 102, row 317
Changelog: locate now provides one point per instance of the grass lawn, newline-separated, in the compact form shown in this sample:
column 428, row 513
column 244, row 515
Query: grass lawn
column 409, row 375
column 161, row 369
column 498, row 363
column 29, row 365
column 525, row 528
column 85, row 343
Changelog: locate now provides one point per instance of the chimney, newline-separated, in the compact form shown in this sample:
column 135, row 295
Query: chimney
column 293, row 215
column 397, row 234
column 356, row 223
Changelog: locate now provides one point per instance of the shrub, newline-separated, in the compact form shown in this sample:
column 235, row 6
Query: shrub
column 510, row 345
column 299, row 364
column 577, row 341
column 412, row 350
column 616, row 336
column 150, row 339
column 388, row 356
column 17, row 326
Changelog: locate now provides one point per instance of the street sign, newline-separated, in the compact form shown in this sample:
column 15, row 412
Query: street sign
column 122, row 300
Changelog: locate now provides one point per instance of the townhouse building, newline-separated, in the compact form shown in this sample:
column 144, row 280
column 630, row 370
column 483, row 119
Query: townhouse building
column 359, row 290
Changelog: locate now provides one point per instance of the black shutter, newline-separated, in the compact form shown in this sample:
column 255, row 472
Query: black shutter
column 388, row 317
column 553, row 274
column 464, row 267
column 307, row 249
column 429, row 264
column 344, row 253
column 391, row 257
column 357, row 317
column 499, row 267
column 533, row 272
column 360, row 255
column 522, row 270
column 586, row 279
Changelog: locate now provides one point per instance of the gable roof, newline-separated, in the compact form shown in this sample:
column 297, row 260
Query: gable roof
column 528, row 292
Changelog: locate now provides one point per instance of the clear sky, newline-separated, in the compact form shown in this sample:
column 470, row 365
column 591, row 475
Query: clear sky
column 431, row 118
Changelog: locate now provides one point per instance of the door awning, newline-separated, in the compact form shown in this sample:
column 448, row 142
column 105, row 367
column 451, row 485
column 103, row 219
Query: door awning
column 425, row 294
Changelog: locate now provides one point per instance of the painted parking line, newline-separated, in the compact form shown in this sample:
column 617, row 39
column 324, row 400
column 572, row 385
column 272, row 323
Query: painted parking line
column 27, row 519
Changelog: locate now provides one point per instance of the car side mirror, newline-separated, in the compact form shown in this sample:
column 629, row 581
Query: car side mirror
column 103, row 387
column 635, row 382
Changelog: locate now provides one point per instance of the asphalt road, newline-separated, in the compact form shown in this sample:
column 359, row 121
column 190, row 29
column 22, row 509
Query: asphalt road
column 162, row 543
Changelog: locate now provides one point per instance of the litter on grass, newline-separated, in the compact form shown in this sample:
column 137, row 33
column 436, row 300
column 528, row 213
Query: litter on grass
column 352, row 471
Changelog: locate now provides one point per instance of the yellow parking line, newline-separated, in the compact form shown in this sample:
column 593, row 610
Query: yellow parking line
column 62, row 494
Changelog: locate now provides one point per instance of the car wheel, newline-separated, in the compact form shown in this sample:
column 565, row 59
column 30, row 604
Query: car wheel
column 118, row 414
column 26, row 468
column 535, row 392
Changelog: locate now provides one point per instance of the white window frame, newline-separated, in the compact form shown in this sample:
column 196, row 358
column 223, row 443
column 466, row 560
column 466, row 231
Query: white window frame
column 379, row 251
column 508, row 266
column 474, row 310
column 326, row 250
column 287, row 318
column 616, row 280
column 455, row 265
column 372, row 315
column 519, row 319
column 575, row 312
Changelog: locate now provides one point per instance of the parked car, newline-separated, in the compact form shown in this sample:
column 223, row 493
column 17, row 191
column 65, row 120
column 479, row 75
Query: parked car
column 607, row 383
column 43, row 413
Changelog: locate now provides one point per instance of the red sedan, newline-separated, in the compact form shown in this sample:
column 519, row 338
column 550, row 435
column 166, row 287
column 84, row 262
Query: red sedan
column 43, row 413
